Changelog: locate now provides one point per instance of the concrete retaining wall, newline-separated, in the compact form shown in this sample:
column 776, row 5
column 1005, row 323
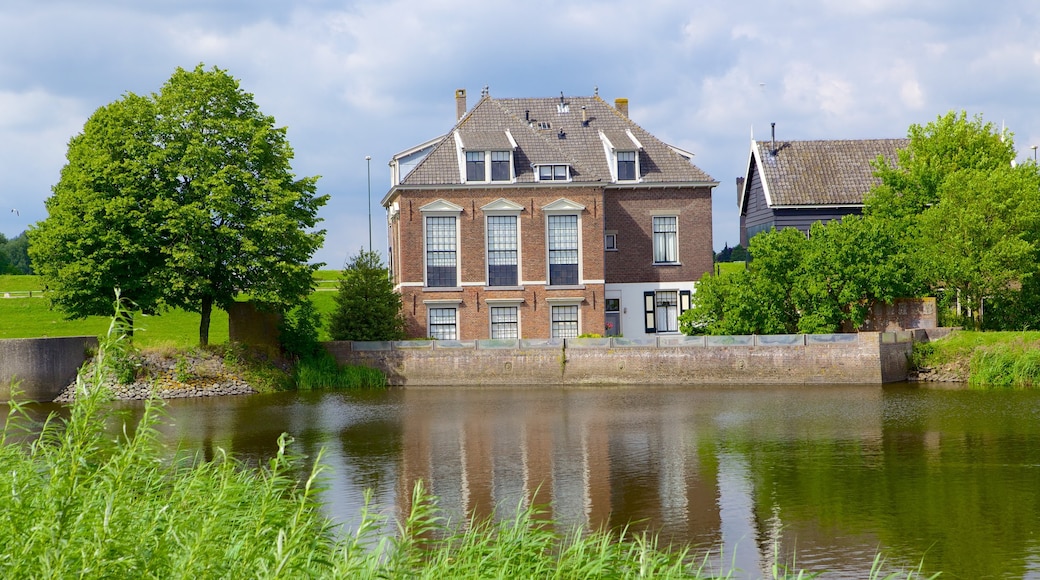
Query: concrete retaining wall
column 41, row 367
column 866, row 357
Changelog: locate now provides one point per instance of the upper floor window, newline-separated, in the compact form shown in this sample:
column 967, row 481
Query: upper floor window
column 554, row 172
column 500, row 168
column 666, row 240
column 502, row 250
column 441, row 258
column 626, row 166
column 500, row 164
column 563, row 249
column 475, row 166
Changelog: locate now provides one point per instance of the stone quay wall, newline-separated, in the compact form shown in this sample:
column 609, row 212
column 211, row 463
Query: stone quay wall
column 854, row 358
column 41, row 367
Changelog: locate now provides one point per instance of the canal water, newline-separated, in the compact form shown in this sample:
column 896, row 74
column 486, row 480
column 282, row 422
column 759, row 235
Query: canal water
column 826, row 476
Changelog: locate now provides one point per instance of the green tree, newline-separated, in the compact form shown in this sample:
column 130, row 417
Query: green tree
column 18, row 254
column 181, row 199
column 367, row 308
column 966, row 213
column 103, row 230
column 756, row 301
column 5, row 260
column 847, row 267
column 982, row 238
column 951, row 143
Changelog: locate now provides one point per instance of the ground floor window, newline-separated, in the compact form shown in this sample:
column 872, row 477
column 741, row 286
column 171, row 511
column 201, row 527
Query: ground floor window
column 443, row 324
column 663, row 307
column 565, row 321
column 505, row 322
column 612, row 317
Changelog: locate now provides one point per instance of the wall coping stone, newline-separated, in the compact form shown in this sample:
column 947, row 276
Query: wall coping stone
column 832, row 338
column 588, row 343
column 412, row 344
column 730, row 340
column 498, row 343
column 672, row 341
column 532, row 343
column 365, row 345
column 621, row 342
column 780, row 339
column 442, row 344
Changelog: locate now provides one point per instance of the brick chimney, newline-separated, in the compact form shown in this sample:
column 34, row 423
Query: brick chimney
column 460, row 103
column 622, row 106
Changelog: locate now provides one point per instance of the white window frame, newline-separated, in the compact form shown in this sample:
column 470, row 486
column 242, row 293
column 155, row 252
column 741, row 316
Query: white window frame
column 563, row 207
column 429, row 320
column 555, row 303
column 553, row 171
column 634, row 161
column 651, row 309
column 664, row 236
column 610, row 241
column 497, row 208
column 515, row 307
column 437, row 209
column 488, row 156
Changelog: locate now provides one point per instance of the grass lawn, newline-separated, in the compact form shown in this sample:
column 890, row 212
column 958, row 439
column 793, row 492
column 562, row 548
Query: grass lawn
column 962, row 344
column 33, row 318
column 14, row 283
column 725, row 268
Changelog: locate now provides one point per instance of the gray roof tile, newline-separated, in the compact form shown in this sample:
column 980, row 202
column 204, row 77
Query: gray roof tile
column 544, row 134
column 835, row 172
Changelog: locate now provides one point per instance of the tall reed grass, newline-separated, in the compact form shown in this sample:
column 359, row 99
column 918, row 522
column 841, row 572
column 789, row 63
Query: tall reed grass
column 1004, row 366
column 321, row 371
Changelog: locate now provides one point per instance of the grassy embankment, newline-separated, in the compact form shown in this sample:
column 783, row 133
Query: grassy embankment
column 1001, row 359
column 22, row 316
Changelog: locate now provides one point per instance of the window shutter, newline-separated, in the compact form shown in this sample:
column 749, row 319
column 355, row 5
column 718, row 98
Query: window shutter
column 684, row 301
column 648, row 307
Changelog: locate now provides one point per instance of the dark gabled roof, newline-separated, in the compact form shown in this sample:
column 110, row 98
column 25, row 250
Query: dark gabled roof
column 818, row 173
column 546, row 135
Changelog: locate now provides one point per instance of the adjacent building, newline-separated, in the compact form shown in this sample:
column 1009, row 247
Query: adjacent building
column 792, row 184
column 546, row 218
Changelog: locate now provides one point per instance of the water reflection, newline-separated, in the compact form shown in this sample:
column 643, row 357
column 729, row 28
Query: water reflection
column 831, row 474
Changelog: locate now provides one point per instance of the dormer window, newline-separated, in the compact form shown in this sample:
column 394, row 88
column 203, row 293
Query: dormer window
column 622, row 151
column 500, row 168
column 626, row 166
column 557, row 172
column 475, row 166
column 500, row 164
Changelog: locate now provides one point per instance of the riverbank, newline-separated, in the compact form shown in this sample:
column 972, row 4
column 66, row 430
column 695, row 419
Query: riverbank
column 175, row 374
column 982, row 359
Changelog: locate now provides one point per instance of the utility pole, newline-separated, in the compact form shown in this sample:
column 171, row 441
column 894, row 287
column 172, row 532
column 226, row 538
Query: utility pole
column 368, row 163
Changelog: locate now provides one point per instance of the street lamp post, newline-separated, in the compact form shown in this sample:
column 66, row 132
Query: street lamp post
column 1034, row 153
column 368, row 163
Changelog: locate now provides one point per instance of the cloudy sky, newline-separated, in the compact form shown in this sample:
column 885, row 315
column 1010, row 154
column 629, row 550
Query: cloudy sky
column 357, row 78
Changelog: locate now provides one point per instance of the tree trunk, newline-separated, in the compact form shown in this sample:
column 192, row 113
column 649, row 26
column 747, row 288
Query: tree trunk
column 207, row 310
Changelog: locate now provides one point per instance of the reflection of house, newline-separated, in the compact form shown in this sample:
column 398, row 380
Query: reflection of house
column 791, row 184
column 552, row 217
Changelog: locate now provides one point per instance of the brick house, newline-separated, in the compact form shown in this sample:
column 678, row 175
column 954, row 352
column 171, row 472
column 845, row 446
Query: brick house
column 792, row 184
column 546, row 218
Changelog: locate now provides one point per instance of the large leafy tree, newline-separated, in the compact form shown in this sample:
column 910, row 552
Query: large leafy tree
column 982, row 238
column 183, row 199
column 848, row 266
column 367, row 308
column 968, row 215
column 103, row 228
column 952, row 142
